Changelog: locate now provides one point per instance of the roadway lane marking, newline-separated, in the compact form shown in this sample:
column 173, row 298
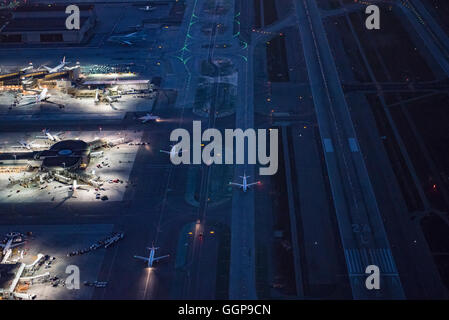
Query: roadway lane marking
column 358, row 259
column 328, row 147
column 353, row 145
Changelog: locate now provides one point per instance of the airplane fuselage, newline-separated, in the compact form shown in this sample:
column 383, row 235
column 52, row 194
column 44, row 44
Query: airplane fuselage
column 151, row 258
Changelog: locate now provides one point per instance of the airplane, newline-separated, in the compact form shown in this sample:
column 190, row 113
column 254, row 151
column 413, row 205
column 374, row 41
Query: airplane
column 151, row 259
column 129, row 39
column 173, row 151
column 75, row 186
column 30, row 67
column 245, row 185
column 9, row 244
column 26, row 145
column 97, row 154
column 26, row 82
column 58, row 68
column 149, row 117
column 147, row 8
column 53, row 137
column 97, row 96
column 42, row 96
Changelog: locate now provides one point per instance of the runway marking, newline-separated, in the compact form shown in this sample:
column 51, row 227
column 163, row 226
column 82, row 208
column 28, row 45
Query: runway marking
column 353, row 145
column 358, row 259
column 328, row 145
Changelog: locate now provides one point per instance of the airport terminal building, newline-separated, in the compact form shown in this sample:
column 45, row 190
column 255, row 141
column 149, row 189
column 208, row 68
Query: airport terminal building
column 34, row 24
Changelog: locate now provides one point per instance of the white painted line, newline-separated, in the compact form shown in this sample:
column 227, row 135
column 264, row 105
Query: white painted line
column 353, row 145
column 328, row 147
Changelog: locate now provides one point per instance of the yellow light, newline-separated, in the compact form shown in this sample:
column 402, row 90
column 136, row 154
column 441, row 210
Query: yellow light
column 212, row 232
column 190, row 233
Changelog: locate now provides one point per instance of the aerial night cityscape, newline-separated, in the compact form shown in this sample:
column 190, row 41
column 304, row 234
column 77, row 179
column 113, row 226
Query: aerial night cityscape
column 230, row 150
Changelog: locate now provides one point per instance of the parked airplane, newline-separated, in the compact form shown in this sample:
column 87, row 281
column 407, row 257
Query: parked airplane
column 47, row 135
column 149, row 117
column 26, row 145
column 26, row 82
column 129, row 39
column 37, row 98
column 58, row 68
column 245, row 185
column 9, row 244
column 75, row 186
column 173, row 151
column 30, row 67
column 151, row 259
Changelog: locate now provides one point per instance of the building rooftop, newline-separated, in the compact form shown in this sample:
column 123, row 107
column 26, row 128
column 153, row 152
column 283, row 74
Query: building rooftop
column 39, row 24
column 49, row 8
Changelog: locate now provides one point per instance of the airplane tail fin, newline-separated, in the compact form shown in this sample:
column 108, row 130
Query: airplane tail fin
column 63, row 60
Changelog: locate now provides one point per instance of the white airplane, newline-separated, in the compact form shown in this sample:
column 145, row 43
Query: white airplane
column 26, row 82
column 75, row 186
column 245, row 185
column 147, row 8
column 52, row 137
column 151, row 259
column 9, row 245
column 97, row 154
column 26, row 145
column 173, row 151
column 97, row 96
column 149, row 117
column 30, row 67
column 112, row 98
column 58, row 68
column 37, row 98
column 129, row 39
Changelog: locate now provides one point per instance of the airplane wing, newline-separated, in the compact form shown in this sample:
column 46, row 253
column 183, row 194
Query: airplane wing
column 236, row 184
column 251, row 184
column 161, row 257
column 22, row 104
column 165, row 151
column 142, row 258
column 126, row 42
